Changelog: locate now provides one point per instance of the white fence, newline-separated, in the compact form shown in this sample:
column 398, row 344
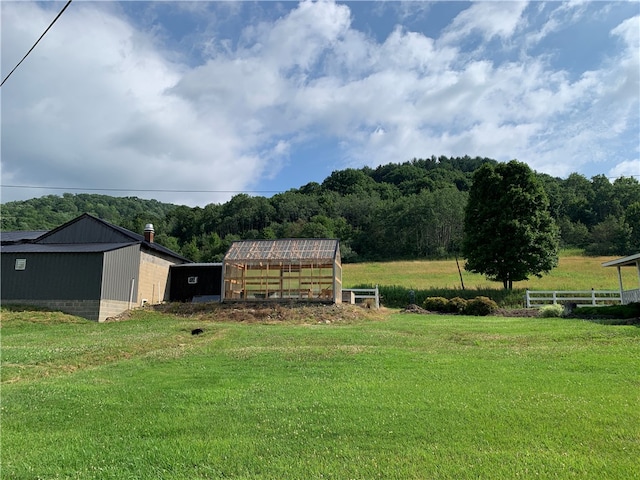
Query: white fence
column 362, row 294
column 630, row 296
column 538, row 298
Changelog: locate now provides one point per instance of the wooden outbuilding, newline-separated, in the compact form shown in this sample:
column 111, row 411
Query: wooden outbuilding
column 306, row 269
column 627, row 296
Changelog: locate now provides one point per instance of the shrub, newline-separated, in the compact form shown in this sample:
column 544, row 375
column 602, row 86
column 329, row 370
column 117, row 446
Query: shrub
column 436, row 304
column 395, row 296
column 512, row 299
column 457, row 305
column 549, row 311
column 628, row 311
column 480, row 306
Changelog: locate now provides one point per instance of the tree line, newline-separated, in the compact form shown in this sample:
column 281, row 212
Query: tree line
column 409, row 210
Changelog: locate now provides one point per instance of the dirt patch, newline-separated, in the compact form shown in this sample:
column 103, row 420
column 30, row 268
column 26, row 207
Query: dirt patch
column 413, row 308
column 272, row 312
column 518, row 312
column 294, row 312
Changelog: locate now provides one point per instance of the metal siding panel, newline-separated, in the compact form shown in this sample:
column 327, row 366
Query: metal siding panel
column 65, row 276
column 209, row 282
column 120, row 266
column 86, row 230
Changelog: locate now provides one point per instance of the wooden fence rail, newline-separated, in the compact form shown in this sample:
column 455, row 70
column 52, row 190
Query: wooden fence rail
column 538, row 298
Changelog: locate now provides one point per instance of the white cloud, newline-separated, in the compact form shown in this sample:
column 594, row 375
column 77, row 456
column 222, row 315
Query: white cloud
column 628, row 168
column 564, row 14
column 103, row 103
column 489, row 19
column 103, row 116
column 629, row 31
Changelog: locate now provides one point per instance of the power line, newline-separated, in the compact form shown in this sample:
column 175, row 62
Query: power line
column 138, row 189
column 37, row 41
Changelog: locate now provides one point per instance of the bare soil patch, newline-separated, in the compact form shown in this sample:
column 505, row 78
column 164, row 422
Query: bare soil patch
column 267, row 312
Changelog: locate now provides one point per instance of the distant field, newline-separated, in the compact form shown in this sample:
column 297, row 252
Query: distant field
column 575, row 272
column 399, row 397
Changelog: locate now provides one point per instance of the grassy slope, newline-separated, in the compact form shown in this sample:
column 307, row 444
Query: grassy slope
column 574, row 272
column 407, row 397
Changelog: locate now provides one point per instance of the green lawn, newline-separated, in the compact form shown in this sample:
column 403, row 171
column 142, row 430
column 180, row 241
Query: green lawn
column 406, row 397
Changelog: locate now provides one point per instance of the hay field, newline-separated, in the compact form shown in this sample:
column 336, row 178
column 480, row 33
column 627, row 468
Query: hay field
column 574, row 272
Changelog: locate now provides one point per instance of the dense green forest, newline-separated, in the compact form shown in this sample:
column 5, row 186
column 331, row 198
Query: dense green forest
column 413, row 209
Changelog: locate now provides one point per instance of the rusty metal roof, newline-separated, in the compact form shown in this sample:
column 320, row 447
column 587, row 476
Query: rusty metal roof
column 290, row 249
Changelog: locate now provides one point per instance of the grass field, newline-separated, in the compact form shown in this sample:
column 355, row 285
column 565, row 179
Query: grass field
column 574, row 272
column 400, row 397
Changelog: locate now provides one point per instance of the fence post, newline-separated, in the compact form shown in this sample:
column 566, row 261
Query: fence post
column 554, row 297
column 377, row 298
column 593, row 297
column 527, row 301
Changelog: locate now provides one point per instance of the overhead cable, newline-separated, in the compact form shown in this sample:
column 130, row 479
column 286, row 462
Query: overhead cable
column 138, row 189
column 37, row 41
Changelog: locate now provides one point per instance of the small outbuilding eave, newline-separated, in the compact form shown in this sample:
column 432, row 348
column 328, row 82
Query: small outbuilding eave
column 629, row 261
column 626, row 295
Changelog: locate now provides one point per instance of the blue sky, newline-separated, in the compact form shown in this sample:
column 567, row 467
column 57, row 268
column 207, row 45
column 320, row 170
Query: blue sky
column 192, row 102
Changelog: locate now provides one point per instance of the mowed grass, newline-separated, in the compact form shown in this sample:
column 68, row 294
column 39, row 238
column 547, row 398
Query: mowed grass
column 402, row 397
column 574, row 272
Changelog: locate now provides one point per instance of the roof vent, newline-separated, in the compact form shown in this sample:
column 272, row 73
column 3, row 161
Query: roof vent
column 148, row 232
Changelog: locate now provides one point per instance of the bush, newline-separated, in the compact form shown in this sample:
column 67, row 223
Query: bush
column 511, row 299
column 628, row 311
column 549, row 311
column 436, row 304
column 480, row 307
column 395, row 296
column 457, row 305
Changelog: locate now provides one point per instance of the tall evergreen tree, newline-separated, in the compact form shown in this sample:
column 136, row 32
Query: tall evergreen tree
column 509, row 233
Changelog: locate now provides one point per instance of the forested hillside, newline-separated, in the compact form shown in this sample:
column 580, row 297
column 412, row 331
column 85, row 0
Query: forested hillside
column 51, row 211
column 410, row 210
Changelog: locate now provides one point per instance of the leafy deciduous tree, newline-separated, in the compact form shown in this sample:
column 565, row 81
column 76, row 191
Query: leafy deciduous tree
column 509, row 233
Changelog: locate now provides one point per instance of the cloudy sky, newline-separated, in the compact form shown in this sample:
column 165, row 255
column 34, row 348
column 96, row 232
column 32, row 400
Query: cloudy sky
column 192, row 102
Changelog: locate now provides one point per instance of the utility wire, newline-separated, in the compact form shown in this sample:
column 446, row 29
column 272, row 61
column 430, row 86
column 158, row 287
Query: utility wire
column 37, row 41
column 164, row 190
column 139, row 190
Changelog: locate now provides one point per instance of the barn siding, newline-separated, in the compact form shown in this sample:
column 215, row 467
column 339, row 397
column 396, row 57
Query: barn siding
column 209, row 282
column 85, row 230
column 120, row 266
column 48, row 276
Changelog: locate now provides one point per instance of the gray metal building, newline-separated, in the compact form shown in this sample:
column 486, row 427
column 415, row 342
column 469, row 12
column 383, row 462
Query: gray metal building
column 86, row 267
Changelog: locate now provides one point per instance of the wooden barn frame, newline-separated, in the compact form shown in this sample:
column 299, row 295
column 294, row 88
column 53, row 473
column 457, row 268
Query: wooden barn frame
column 308, row 269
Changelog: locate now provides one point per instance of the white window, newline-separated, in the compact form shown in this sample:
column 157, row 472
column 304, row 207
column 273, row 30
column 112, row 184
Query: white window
column 192, row 280
column 21, row 263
